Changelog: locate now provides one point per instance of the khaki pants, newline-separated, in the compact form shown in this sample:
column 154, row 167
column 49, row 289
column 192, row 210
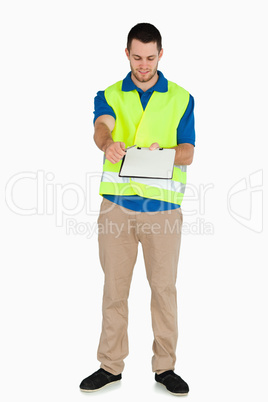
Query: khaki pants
column 120, row 231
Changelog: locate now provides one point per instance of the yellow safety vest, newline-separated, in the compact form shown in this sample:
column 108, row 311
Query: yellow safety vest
column 133, row 125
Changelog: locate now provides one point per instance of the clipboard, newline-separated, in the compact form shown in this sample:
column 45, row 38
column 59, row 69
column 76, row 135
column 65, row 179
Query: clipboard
column 141, row 162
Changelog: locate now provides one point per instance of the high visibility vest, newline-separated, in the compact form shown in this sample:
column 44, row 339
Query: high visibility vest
column 135, row 126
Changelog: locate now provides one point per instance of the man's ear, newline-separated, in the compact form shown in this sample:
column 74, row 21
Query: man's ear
column 127, row 53
column 160, row 54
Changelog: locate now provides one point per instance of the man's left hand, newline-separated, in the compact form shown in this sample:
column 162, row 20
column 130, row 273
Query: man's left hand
column 154, row 146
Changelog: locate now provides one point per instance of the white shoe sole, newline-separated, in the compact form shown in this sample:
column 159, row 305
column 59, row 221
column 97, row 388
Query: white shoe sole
column 172, row 393
column 98, row 389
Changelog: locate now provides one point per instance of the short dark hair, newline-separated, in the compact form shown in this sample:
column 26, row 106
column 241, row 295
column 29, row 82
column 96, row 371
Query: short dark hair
column 145, row 33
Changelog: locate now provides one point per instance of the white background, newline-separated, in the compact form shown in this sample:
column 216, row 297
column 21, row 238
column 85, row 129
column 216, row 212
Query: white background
column 55, row 56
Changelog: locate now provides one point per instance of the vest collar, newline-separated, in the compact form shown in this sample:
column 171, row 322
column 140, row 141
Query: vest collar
column 160, row 86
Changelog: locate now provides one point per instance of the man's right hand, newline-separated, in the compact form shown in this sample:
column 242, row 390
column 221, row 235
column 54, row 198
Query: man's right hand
column 115, row 151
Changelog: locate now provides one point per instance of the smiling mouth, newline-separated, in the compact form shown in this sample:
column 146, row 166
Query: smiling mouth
column 143, row 72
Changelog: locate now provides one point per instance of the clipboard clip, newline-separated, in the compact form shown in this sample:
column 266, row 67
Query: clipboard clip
column 160, row 149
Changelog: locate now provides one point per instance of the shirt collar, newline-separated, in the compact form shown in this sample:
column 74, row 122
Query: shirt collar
column 160, row 86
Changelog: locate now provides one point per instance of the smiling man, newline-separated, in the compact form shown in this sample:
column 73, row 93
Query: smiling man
column 144, row 58
column 147, row 110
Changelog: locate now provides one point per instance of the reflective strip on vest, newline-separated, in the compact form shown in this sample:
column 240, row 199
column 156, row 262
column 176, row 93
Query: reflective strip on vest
column 113, row 178
column 170, row 185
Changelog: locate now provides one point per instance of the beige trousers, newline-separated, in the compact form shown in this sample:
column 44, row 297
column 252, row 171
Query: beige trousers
column 120, row 231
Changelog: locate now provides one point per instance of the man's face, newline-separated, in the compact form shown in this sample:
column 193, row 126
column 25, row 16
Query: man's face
column 144, row 58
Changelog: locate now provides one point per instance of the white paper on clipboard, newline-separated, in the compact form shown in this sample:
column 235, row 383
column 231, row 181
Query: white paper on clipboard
column 144, row 163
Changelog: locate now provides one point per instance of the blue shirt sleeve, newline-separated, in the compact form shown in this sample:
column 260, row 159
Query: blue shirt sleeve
column 101, row 106
column 186, row 127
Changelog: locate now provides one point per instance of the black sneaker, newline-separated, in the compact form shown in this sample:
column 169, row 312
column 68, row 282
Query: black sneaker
column 98, row 380
column 173, row 383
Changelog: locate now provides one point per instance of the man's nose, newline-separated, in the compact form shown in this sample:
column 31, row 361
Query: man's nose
column 143, row 63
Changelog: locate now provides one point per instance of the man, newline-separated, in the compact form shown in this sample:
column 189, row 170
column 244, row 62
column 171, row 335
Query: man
column 148, row 111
